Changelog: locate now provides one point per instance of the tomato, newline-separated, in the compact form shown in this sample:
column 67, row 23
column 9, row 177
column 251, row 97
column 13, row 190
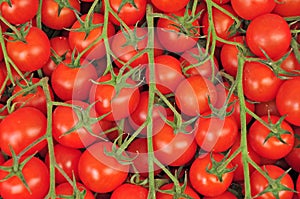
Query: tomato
column 290, row 64
column 72, row 82
column 99, row 172
column 175, row 35
column 270, row 33
column 57, row 15
column 174, row 148
column 80, row 40
column 116, row 106
column 259, row 82
column 206, row 183
column 20, row 11
column 33, row 54
column 272, row 148
column 257, row 7
column 265, row 108
column 66, row 189
column 287, row 8
column 216, row 134
column 288, row 100
column 298, row 186
column 225, row 195
column 170, row 187
column 169, row 5
column 167, row 73
column 18, row 130
column 222, row 23
column 130, row 191
column 35, row 174
column 259, row 183
column 192, row 93
column 128, row 13
column 293, row 158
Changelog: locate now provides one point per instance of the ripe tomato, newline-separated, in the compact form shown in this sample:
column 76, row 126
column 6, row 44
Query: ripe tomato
column 259, row 82
column 272, row 148
column 57, row 16
column 293, row 158
column 290, row 64
column 69, row 82
column 169, row 6
column 130, row 191
column 206, row 183
column 21, row 128
column 259, row 183
column 288, row 100
column 270, row 33
column 35, row 174
column 20, row 11
column 33, row 54
column 170, row 187
column 287, row 8
column 116, row 106
column 298, row 186
column 99, row 172
column 192, row 93
column 225, row 195
column 66, row 189
column 265, row 108
column 257, row 7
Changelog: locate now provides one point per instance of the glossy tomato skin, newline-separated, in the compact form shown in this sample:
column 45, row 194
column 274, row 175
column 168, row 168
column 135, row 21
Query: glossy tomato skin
column 192, row 93
column 260, row 84
column 36, row 175
column 298, row 186
column 19, row 131
column 293, row 158
column 287, row 8
column 55, row 19
column 205, row 183
column 170, row 186
column 169, row 6
column 288, row 100
column 225, row 195
column 271, row 148
column 130, row 191
column 73, row 83
column 99, row 172
column 20, row 11
column 66, row 189
column 270, row 33
column 116, row 106
column 258, row 182
column 35, row 52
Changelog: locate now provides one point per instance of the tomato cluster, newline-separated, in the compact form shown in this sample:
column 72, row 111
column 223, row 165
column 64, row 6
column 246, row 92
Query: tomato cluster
column 150, row 99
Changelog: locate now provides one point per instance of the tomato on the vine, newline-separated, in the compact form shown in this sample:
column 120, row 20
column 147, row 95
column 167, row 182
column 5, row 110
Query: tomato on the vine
column 130, row 191
column 188, row 191
column 169, row 6
column 66, row 190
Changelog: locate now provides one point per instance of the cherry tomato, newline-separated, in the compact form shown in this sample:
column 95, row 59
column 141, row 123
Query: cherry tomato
column 169, row 5
column 225, row 195
column 130, row 191
column 170, row 187
column 293, row 158
column 287, row 8
column 66, row 189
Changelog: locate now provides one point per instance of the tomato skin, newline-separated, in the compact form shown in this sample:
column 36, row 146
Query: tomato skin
column 273, row 148
column 99, row 172
column 19, row 131
column 36, row 175
column 20, row 12
column 188, row 191
column 205, row 183
column 191, row 95
column 293, row 158
column 298, row 186
column 259, row 82
column 269, row 32
column 35, row 52
column 169, row 6
column 259, row 183
column 66, row 189
column 225, row 195
column 287, row 8
column 73, row 83
column 290, row 64
column 288, row 100
column 64, row 19
column 265, row 108
column 130, row 191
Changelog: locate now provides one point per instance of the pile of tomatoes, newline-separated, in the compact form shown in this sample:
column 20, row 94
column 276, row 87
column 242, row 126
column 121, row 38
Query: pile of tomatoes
column 151, row 99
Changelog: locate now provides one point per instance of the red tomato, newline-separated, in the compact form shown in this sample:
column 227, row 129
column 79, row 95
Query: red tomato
column 116, row 106
column 79, row 40
column 225, row 195
column 288, row 100
column 270, row 33
column 57, row 15
column 130, row 191
column 265, row 108
column 35, row 174
column 99, row 172
column 21, row 128
column 169, row 5
column 272, row 148
column 71, row 82
column 206, row 183
column 287, row 8
column 298, row 186
column 170, row 187
column 259, row 82
column 257, row 7
column 290, row 64
column 33, row 54
column 20, row 11
column 66, row 189
column 293, row 158
column 192, row 93
column 259, row 183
